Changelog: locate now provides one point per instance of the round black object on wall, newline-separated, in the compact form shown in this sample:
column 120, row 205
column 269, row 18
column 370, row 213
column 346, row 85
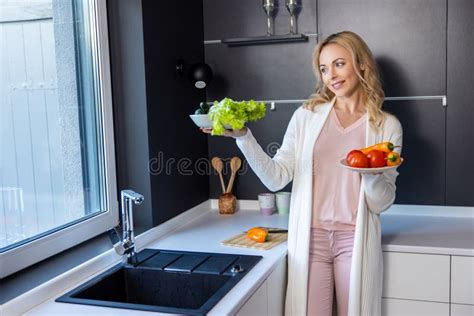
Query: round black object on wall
column 200, row 75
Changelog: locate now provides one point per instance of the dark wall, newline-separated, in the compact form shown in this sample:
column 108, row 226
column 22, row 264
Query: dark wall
column 156, row 142
column 422, row 178
column 130, row 104
column 411, row 49
column 409, row 42
column 460, row 114
column 264, row 71
column 171, row 32
column 407, row 38
column 276, row 71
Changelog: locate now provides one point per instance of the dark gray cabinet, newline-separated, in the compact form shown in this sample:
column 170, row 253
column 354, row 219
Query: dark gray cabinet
column 408, row 39
column 243, row 18
column 277, row 71
column 272, row 71
column 422, row 175
column 460, row 111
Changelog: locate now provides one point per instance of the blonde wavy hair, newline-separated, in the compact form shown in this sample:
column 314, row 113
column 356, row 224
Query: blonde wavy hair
column 369, row 78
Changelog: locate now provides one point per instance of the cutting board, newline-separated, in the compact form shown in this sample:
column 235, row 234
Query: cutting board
column 242, row 241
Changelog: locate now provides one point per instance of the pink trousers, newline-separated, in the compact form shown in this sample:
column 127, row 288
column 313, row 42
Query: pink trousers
column 330, row 257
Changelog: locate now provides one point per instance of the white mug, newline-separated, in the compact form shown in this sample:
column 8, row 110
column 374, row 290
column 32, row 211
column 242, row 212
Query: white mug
column 283, row 202
column 266, row 201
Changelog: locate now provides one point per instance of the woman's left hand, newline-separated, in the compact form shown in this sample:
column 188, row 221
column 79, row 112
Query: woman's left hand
column 379, row 191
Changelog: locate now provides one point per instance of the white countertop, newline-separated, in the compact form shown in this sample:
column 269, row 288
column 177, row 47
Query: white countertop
column 203, row 228
column 201, row 234
column 444, row 230
column 428, row 234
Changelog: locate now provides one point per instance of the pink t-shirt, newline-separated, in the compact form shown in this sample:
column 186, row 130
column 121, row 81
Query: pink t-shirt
column 336, row 189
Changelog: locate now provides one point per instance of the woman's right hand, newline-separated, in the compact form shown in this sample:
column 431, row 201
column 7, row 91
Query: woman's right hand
column 228, row 132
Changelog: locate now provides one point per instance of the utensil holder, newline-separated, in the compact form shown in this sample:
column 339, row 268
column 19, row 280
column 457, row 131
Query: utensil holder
column 227, row 203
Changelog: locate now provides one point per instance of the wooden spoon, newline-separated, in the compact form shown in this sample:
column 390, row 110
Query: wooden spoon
column 218, row 166
column 235, row 164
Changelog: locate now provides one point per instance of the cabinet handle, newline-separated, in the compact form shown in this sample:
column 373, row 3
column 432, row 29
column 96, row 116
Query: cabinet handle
column 443, row 98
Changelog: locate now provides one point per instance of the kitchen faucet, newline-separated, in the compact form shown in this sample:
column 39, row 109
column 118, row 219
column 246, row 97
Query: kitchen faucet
column 127, row 245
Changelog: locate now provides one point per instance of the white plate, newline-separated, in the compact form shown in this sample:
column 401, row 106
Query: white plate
column 343, row 163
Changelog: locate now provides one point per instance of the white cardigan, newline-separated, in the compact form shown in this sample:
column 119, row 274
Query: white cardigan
column 294, row 161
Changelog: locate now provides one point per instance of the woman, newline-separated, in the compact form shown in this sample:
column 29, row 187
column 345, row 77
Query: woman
column 334, row 236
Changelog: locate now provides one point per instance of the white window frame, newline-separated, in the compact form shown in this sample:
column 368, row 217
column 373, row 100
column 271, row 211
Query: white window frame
column 39, row 249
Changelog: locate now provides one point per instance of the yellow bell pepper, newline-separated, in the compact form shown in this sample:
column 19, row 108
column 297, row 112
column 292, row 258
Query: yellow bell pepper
column 258, row 234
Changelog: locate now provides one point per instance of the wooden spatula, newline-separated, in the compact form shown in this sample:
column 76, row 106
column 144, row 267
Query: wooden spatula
column 235, row 164
column 218, row 166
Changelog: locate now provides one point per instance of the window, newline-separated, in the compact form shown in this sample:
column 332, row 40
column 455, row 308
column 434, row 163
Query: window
column 57, row 164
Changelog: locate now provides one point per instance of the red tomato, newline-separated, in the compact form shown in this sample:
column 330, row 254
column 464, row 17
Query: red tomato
column 377, row 158
column 357, row 159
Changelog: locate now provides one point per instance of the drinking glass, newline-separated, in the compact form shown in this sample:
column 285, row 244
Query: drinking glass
column 269, row 8
column 292, row 6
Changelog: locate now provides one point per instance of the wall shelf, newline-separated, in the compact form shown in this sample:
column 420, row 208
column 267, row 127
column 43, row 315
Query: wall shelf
column 267, row 39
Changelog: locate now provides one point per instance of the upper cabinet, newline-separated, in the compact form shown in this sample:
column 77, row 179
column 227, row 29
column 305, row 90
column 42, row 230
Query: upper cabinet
column 407, row 38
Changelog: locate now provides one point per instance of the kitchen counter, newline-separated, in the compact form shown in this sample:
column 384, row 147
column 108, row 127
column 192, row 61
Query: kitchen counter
column 202, row 233
column 203, row 228
column 444, row 230
column 428, row 234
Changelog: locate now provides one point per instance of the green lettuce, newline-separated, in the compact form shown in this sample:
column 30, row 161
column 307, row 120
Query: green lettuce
column 233, row 114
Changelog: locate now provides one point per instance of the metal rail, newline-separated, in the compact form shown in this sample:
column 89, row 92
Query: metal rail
column 273, row 103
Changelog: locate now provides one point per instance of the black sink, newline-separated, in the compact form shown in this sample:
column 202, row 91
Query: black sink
column 165, row 281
